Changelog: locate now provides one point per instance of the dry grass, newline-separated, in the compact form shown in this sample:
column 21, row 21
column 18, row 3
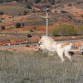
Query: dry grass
column 37, row 67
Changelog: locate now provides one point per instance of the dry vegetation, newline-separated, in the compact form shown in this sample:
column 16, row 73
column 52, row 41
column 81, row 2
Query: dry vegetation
column 19, row 20
column 37, row 67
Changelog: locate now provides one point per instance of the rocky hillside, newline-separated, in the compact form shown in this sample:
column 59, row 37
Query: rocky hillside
column 30, row 12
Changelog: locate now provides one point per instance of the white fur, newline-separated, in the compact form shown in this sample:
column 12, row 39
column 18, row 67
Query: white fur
column 47, row 43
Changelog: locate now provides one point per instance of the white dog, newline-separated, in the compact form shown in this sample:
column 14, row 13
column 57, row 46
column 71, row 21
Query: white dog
column 47, row 43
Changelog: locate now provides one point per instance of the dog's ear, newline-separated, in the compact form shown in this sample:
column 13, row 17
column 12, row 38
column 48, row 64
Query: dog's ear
column 71, row 53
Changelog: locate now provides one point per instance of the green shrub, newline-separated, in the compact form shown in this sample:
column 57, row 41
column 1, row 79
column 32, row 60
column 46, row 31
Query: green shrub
column 52, row 1
column 64, row 29
column 1, row 13
column 80, row 29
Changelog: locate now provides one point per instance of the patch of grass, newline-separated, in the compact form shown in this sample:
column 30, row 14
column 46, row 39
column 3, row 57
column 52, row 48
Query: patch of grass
column 37, row 67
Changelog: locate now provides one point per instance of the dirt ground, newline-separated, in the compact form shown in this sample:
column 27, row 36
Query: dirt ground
column 37, row 67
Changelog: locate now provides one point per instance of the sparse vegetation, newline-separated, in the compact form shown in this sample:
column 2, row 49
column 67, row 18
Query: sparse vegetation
column 79, row 2
column 59, row 1
column 70, row 17
column 18, row 25
column 1, row 13
column 52, row 1
column 25, row 13
column 37, row 67
column 37, row 1
column 70, row 4
column 77, row 21
column 64, row 11
column 29, row 35
column 2, row 27
column 29, row 5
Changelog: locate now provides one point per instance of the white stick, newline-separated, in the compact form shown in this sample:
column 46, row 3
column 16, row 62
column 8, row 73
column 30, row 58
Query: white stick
column 46, row 22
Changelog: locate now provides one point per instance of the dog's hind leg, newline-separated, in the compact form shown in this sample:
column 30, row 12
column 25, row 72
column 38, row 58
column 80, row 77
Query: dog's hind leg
column 60, row 54
column 67, row 55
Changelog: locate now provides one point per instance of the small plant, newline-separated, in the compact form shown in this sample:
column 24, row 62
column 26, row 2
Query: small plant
column 69, row 4
column 52, row 2
column 28, row 6
column 79, row 2
column 2, row 27
column 29, row 35
column 1, row 13
column 25, row 13
column 70, row 17
column 64, row 11
column 18, row 25
column 37, row 1
column 58, row 2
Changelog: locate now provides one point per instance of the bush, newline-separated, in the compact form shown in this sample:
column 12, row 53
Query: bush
column 29, row 35
column 70, row 4
column 25, row 13
column 70, row 17
column 18, row 25
column 2, row 27
column 58, row 2
column 65, row 30
column 80, row 29
column 37, row 1
column 79, row 2
column 28, row 6
column 64, row 11
column 52, row 2
column 1, row 13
